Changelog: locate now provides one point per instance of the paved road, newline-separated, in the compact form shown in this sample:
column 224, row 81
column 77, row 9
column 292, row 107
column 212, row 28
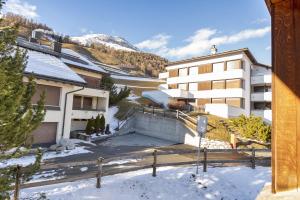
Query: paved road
column 122, row 154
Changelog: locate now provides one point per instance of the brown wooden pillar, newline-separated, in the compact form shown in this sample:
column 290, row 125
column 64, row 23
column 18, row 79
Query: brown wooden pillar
column 285, row 16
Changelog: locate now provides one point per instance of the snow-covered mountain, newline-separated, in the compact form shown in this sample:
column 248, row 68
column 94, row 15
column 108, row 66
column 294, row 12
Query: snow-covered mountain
column 111, row 41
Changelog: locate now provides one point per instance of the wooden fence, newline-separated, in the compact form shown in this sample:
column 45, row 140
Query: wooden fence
column 159, row 158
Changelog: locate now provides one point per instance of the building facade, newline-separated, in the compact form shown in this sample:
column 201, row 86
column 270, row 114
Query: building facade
column 226, row 84
column 72, row 87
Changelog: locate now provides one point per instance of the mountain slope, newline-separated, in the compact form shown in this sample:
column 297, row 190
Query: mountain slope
column 136, row 63
column 107, row 40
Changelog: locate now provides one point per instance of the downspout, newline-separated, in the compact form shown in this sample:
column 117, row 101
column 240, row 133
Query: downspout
column 64, row 115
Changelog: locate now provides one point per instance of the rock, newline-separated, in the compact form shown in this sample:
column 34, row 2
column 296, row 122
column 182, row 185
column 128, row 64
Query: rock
column 60, row 148
column 71, row 147
column 53, row 147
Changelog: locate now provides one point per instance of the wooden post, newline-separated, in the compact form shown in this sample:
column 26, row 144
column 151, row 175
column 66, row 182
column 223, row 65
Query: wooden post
column 164, row 113
column 205, row 160
column 177, row 114
column 253, row 159
column 233, row 140
column 17, row 183
column 152, row 110
column 154, row 163
column 118, row 124
column 143, row 109
column 99, row 174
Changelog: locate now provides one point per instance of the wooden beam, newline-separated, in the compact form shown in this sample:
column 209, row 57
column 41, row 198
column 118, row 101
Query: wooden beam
column 285, row 16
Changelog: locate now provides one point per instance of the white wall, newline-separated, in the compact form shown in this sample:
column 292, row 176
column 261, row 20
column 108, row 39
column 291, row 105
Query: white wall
column 224, row 110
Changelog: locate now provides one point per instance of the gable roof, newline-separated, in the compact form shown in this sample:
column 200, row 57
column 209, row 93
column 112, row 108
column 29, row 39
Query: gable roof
column 49, row 67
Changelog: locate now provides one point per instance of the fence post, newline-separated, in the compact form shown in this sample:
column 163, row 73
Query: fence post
column 152, row 110
column 164, row 113
column 154, row 163
column 205, row 160
column 17, row 183
column 177, row 114
column 99, row 173
column 118, row 124
column 253, row 159
column 143, row 110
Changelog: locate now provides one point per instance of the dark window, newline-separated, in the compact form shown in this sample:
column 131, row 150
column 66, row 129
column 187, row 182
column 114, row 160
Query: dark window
column 52, row 95
column 76, row 102
column 87, row 102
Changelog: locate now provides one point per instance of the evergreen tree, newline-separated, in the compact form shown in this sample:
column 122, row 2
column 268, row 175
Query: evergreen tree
column 102, row 123
column 97, row 124
column 18, row 118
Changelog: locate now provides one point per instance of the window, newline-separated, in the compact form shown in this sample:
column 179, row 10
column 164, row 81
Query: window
column 234, row 83
column 201, row 102
column 182, row 86
column 218, row 67
column 234, row 64
column 173, row 73
column 172, row 86
column 52, row 95
column 207, row 68
column 193, row 71
column 236, row 102
column 193, row 86
column 87, row 102
column 218, row 100
column 76, row 102
column 262, row 105
column 183, row 72
column 262, row 88
column 205, row 85
column 218, row 85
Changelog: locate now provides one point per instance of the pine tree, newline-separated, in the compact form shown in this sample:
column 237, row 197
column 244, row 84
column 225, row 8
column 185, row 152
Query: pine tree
column 102, row 123
column 97, row 124
column 18, row 118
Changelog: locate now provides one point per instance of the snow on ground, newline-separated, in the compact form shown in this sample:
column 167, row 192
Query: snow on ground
column 84, row 169
column 27, row 160
column 136, row 140
column 47, row 176
column 171, row 183
column 214, row 144
column 121, row 162
column 133, row 98
column 113, row 122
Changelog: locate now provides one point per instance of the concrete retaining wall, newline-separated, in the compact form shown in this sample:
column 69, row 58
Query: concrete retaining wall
column 160, row 127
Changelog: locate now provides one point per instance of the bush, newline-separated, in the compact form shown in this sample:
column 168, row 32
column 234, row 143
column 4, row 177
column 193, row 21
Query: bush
column 177, row 105
column 90, row 126
column 251, row 127
column 97, row 124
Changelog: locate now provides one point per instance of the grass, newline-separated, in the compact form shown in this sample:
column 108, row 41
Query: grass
column 216, row 130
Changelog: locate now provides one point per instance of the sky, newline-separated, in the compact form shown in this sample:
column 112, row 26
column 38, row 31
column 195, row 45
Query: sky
column 175, row 29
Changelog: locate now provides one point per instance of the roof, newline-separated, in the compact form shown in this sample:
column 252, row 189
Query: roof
column 225, row 53
column 50, row 67
column 77, row 60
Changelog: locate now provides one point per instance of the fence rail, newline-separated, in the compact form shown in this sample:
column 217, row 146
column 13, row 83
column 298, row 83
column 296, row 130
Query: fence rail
column 159, row 158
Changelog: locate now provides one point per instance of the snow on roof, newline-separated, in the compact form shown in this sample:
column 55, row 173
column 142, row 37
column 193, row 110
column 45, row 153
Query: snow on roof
column 82, row 61
column 136, row 78
column 50, row 66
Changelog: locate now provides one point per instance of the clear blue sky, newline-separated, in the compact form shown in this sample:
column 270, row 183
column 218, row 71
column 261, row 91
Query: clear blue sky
column 173, row 28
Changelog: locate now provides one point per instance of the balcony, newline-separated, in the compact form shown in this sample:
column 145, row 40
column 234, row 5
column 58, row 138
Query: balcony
column 261, row 96
column 86, row 113
column 219, row 93
column 233, row 74
column 263, row 79
column 266, row 115
column 163, row 75
column 178, row 93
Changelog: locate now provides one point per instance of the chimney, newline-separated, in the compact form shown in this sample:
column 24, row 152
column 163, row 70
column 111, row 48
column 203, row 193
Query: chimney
column 56, row 46
column 213, row 50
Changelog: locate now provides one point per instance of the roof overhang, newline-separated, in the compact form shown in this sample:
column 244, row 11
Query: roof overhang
column 55, row 79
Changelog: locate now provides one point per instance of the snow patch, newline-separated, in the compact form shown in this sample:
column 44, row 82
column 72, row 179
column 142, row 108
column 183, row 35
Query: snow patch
column 171, row 183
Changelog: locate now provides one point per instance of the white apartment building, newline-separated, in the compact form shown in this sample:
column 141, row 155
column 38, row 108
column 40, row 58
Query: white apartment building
column 72, row 88
column 225, row 84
